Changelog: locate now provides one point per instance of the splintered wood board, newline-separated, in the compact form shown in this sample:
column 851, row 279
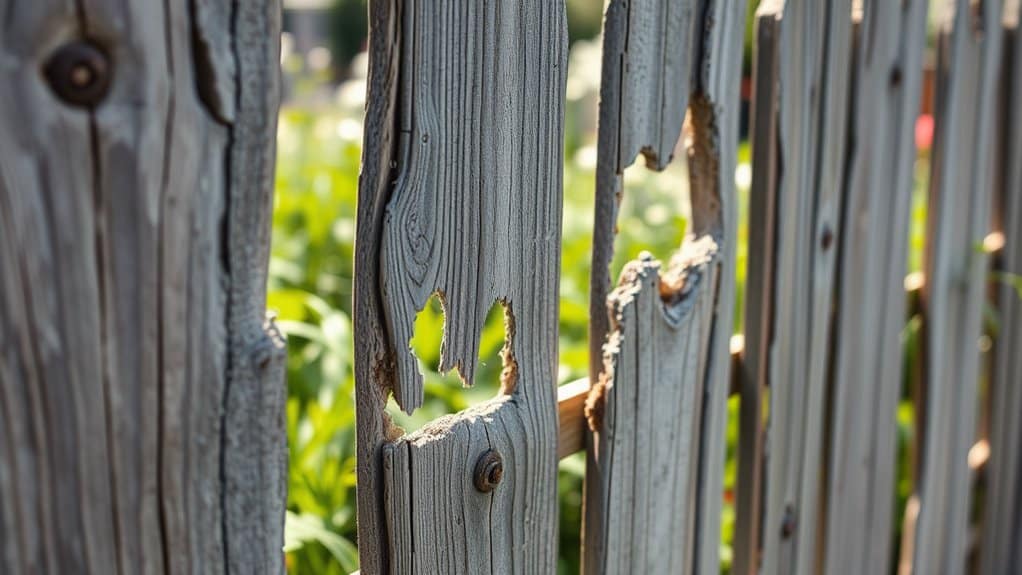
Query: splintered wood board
column 460, row 196
column 660, row 345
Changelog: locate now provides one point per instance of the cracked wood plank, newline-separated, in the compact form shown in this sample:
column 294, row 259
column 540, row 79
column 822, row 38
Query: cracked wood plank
column 968, row 67
column 1002, row 533
column 460, row 195
column 866, row 387
column 141, row 390
column 815, row 67
column 663, row 62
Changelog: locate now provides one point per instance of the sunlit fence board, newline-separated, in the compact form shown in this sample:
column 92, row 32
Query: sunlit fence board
column 815, row 67
column 1002, row 534
column 653, row 499
column 956, row 275
column 462, row 197
column 867, row 358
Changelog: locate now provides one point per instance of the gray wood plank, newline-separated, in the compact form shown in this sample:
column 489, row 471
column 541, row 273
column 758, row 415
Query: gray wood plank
column 968, row 65
column 815, row 67
column 142, row 390
column 871, row 310
column 1002, row 533
column 755, row 364
column 461, row 195
column 664, row 61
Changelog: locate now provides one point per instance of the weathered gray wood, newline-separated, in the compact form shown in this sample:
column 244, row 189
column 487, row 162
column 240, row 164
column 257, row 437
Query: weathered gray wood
column 871, row 310
column 661, row 60
column 815, row 68
column 141, row 391
column 759, row 299
column 649, row 419
column 956, row 268
column 461, row 196
column 1002, row 533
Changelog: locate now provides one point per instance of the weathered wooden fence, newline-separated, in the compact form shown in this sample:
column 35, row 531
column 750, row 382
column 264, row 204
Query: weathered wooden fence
column 460, row 196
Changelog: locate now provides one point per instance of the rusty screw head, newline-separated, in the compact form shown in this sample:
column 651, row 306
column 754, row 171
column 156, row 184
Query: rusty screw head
column 79, row 73
column 489, row 470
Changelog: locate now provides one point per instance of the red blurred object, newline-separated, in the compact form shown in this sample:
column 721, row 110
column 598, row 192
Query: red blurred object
column 924, row 132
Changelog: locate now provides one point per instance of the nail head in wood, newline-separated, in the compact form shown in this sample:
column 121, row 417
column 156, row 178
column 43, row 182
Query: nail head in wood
column 79, row 73
column 489, row 470
column 789, row 523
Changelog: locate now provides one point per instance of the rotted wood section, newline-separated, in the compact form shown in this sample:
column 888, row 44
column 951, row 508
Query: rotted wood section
column 465, row 128
column 660, row 343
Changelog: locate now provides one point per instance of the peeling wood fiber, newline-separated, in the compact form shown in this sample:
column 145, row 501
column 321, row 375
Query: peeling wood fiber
column 141, row 387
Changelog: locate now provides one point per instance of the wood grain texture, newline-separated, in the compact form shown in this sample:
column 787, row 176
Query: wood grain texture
column 815, row 66
column 683, row 60
column 141, row 389
column 648, row 444
column 462, row 197
column 755, row 365
column 968, row 66
column 1002, row 533
column 867, row 358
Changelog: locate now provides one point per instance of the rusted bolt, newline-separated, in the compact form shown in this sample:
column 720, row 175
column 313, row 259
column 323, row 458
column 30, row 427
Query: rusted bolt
column 79, row 73
column 827, row 238
column 789, row 523
column 489, row 470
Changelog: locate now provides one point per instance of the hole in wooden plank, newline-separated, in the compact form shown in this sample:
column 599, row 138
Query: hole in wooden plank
column 654, row 213
column 446, row 392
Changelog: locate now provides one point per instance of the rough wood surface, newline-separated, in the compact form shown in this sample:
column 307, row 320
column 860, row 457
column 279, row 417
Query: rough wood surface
column 755, row 365
column 1002, row 532
column 461, row 196
column 663, row 62
column 815, row 66
column 141, row 389
column 871, row 311
column 956, row 269
column 649, row 420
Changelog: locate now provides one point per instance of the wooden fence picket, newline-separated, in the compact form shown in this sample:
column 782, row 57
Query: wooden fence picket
column 867, row 371
column 814, row 74
column 956, row 267
column 759, row 301
column 1002, row 532
column 655, row 470
column 462, row 198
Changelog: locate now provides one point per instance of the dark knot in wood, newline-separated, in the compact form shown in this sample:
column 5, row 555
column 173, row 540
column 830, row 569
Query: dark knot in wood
column 789, row 523
column 79, row 73
column 489, row 470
